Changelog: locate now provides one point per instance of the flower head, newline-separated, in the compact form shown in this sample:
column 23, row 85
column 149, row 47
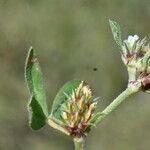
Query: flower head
column 135, row 53
column 78, row 111
column 136, row 56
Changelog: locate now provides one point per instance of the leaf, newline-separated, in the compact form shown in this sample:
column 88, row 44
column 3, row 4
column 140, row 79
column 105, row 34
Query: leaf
column 146, row 60
column 38, row 112
column 116, row 32
column 36, row 115
column 62, row 97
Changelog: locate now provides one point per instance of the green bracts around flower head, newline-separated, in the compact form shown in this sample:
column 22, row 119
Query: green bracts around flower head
column 37, row 106
column 135, row 53
column 73, row 109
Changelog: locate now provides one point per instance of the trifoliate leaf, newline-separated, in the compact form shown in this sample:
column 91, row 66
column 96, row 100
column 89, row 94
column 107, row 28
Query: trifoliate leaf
column 37, row 105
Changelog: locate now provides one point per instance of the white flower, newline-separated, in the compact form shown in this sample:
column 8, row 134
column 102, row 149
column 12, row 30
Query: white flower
column 131, row 40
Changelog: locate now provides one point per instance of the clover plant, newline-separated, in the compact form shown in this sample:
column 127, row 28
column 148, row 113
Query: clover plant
column 73, row 110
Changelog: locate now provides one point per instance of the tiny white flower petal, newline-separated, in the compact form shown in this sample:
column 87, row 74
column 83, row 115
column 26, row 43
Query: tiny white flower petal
column 133, row 38
column 136, row 37
column 130, row 37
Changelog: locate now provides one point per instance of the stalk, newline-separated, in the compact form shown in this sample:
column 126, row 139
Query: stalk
column 78, row 143
column 116, row 102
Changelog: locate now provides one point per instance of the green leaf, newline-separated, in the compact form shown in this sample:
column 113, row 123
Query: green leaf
column 146, row 60
column 36, row 115
column 116, row 32
column 38, row 112
column 61, row 97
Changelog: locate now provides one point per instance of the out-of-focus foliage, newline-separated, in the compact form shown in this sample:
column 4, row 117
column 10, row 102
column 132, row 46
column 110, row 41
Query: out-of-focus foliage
column 72, row 38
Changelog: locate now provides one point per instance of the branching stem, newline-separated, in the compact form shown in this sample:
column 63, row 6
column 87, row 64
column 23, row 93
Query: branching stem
column 116, row 102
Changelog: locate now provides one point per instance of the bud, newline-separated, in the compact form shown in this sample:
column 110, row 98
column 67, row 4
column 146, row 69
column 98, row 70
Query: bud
column 78, row 111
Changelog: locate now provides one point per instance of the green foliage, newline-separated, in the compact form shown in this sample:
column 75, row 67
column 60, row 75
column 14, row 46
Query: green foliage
column 37, row 104
column 61, row 97
column 146, row 60
column 116, row 32
column 37, row 117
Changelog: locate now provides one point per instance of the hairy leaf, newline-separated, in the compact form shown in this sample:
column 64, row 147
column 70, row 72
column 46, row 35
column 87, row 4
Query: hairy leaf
column 116, row 32
column 36, row 115
column 61, row 97
column 37, row 105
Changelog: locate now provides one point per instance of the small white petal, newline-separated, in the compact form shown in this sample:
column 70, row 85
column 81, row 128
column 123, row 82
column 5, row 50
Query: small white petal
column 136, row 37
column 130, row 37
column 133, row 38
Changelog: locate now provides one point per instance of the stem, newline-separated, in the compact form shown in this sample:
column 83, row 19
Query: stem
column 78, row 143
column 131, row 73
column 129, row 91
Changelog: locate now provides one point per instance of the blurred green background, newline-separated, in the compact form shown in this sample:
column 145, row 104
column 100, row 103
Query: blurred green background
column 72, row 37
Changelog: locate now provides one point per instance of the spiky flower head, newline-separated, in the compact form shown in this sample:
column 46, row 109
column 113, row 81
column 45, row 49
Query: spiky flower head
column 78, row 111
column 133, row 49
column 135, row 54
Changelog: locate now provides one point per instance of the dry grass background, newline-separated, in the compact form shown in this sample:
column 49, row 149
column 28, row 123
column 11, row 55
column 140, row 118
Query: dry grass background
column 72, row 37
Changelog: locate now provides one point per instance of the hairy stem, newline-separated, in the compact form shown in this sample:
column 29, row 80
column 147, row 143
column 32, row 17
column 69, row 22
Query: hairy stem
column 129, row 91
column 78, row 143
